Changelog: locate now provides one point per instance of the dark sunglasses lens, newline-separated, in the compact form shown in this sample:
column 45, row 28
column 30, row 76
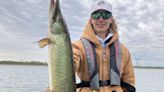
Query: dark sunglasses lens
column 106, row 15
column 96, row 16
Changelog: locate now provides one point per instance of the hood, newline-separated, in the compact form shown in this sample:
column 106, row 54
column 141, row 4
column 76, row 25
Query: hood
column 89, row 34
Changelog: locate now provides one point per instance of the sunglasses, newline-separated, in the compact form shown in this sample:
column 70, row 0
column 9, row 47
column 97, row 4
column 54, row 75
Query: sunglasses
column 105, row 15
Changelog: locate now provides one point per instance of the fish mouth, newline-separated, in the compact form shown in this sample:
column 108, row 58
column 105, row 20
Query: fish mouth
column 53, row 10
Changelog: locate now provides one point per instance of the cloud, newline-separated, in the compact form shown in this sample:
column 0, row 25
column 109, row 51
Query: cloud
column 141, row 27
column 21, row 24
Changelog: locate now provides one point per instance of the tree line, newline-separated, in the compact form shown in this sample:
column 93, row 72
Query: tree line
column 23, row 62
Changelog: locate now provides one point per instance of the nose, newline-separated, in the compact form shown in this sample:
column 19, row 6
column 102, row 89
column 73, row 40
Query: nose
column 101, row 18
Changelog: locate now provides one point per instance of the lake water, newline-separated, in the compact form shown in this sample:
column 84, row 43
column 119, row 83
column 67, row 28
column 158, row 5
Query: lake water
column 21, row 78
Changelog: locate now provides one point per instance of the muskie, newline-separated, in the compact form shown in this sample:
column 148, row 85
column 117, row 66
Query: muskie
column 60, row 59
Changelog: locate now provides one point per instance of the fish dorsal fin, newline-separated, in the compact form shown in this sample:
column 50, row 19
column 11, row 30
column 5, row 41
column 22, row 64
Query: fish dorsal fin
column 44, row 42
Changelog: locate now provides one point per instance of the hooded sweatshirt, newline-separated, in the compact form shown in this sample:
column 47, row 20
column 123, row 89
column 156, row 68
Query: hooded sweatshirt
column 103, row 58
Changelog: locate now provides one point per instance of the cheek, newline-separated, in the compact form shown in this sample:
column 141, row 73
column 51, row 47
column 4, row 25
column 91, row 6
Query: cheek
column 108, row 22
column 94, row 25
column 91, row 21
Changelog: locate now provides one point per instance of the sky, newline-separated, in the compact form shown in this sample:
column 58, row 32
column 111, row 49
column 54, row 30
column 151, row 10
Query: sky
column 24, row 22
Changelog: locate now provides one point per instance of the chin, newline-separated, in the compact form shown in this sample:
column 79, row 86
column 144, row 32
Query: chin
column 102, row 29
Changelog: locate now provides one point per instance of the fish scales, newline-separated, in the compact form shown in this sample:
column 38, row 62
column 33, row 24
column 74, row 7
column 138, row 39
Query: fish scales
column 60, row 55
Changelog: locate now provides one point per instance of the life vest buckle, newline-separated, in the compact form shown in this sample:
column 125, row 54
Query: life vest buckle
column 94, row 90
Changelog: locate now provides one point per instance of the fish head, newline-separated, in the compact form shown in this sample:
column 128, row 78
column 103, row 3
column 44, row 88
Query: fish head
column 57, row 24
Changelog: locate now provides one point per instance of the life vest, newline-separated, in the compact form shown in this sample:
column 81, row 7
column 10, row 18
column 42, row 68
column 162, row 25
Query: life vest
column 115, row 62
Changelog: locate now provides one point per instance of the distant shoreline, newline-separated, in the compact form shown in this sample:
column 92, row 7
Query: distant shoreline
column 148, row 67
column 22, row 63
column 45, row 64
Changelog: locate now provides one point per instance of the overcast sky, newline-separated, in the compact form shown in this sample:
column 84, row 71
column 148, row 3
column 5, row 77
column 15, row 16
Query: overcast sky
column 24, row 22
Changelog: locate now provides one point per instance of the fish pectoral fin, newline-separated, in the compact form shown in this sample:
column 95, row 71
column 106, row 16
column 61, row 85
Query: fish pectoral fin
column 44, row 42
